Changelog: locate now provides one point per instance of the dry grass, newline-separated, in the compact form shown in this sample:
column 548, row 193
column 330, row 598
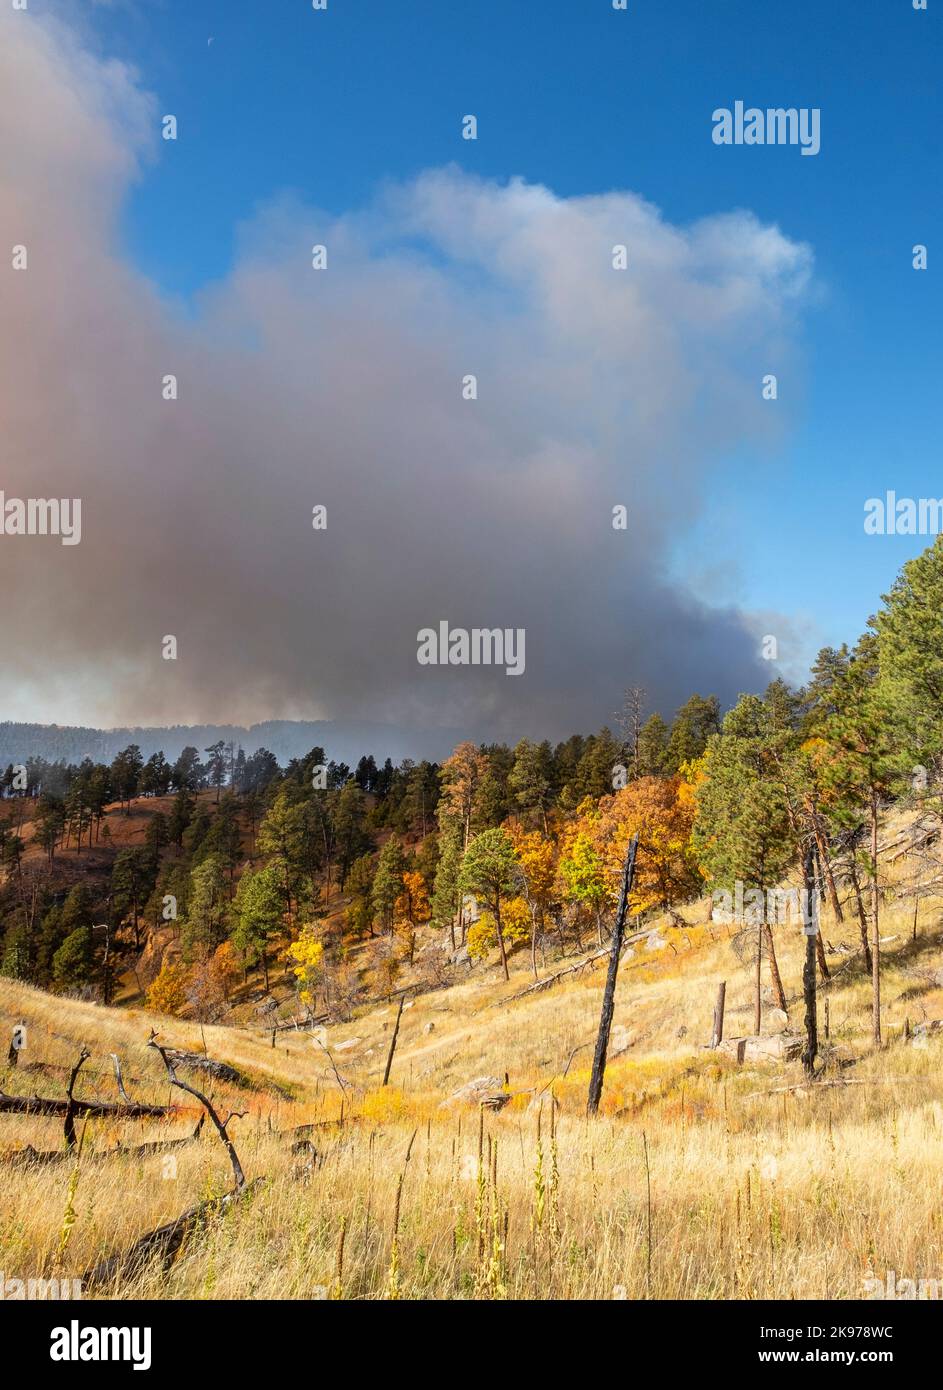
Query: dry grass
column 756, row 1191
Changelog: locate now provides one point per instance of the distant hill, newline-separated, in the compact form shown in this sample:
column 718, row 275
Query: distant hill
column 286, row 738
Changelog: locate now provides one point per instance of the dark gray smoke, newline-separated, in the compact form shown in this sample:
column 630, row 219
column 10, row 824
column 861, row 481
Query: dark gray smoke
column 343, row 388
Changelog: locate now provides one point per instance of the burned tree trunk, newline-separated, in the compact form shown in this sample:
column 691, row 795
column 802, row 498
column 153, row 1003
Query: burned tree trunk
column 69, row 1124
column 164, row 1243
column 389, row 1060
column 822, row 871
column 609, row 994
column 220, row 1125
column 43, row 1105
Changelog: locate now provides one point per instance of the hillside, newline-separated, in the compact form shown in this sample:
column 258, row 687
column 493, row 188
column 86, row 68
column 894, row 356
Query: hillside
column 344, row 741
column 701, row 1178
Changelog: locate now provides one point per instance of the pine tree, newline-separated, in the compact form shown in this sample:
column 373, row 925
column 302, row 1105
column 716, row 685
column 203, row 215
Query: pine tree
column 743, row 831
column 489, row 871
column 530, row 779
column 388, row 882
column 446, row 893
column 864, row 765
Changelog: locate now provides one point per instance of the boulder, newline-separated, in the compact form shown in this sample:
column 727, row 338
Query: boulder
column 924, row 1031
column 483, row 1090
column 781, row 1047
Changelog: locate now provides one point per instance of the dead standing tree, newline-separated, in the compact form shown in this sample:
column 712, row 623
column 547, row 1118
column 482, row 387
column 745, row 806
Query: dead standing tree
column 810, row 917
column 69, row 1126
column 239, row 1177
column 717, row 1033
column 609, row 993
column 389, row 1060
column 166, row 1241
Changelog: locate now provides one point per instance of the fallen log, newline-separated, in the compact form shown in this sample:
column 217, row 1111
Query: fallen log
column 210, row 1066
column 24, row 1158
column 549, row 980
column 164, row 1243
column 45, row 1105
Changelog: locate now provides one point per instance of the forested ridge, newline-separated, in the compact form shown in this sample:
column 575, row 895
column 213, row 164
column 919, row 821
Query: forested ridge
column 238, row 863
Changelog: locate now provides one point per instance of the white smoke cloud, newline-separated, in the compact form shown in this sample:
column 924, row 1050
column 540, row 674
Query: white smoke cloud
column 343, row 387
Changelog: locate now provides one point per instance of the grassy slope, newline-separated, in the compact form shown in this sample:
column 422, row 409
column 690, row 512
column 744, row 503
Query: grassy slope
column 755, row 1190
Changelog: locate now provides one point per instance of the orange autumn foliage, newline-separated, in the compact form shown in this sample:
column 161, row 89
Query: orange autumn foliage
column 661, row 812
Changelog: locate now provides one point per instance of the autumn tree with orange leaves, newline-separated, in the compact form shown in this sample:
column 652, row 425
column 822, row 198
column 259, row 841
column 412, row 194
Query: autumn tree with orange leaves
column 661, row 811
column 411, row 909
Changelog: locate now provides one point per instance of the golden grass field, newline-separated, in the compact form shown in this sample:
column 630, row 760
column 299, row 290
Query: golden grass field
column 699, row 1180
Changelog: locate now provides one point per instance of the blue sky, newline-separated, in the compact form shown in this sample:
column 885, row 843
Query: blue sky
column 585, row 99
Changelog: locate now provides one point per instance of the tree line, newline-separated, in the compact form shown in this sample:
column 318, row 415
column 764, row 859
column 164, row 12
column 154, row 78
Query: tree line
column 499, row 849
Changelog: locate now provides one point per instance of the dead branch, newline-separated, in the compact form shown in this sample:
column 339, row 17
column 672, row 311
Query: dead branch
column 121, row 1091
column 560, row 1075
column 69, row 1125
column 549, row 980
column 340, row 1080
column 238, row 1175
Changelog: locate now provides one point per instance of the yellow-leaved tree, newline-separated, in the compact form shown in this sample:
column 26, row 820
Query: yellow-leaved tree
column 168, row 993
column 515, row 927
column 308, row 954
column 536, row 858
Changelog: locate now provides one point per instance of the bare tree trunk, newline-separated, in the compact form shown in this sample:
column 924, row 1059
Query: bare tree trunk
column 876, row 944
column 497, row 923
column 758, row 983
column 774, row 971
column 389, row 1060
column 827, row 868
column 717, row 1035
column 609, row 994
column 811, row 927
column 862, row 917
